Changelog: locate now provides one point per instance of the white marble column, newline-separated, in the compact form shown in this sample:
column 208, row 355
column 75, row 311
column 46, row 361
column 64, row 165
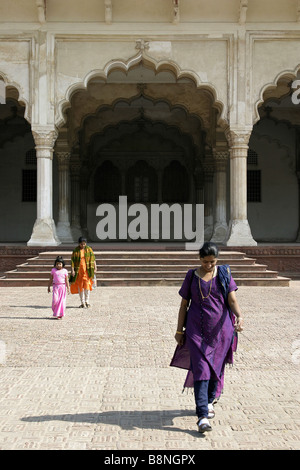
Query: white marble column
column 63, row 225
column 220, row 219
column 239, row 232
column 84, row 180
column 75, row 207
column 208, row 199
column 44, row 231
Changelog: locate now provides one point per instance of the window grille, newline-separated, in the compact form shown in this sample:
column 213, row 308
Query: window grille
column 252, row 157
column 141, row 189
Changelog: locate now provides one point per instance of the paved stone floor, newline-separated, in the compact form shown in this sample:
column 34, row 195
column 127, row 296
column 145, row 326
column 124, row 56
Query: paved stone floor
column 100, row 378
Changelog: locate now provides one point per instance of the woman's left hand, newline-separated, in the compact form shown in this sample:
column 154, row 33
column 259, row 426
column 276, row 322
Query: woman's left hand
column 239, row 324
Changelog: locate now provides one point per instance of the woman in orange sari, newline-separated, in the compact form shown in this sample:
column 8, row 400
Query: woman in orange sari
column 83, row 265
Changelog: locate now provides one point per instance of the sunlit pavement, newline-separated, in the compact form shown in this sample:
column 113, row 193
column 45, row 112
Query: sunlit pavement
column 100, row 378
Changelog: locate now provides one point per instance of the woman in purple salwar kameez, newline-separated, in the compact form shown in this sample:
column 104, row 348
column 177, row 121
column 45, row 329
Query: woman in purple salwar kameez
column 210, row 321
column 60, row 282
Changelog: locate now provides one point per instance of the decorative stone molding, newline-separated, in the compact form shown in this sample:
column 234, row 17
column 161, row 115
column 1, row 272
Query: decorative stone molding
column 221, row 159
column 142, row 45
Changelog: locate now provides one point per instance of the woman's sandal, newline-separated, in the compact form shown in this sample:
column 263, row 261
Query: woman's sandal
column 203, row 425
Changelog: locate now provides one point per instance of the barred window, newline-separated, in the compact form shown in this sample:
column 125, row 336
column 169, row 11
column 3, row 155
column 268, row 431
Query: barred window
column 141, row 188
column 252, row 157
column 254, row 185
column 29, row 183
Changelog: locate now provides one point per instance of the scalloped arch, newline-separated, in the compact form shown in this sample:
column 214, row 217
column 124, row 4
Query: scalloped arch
column 12, row 84
column 154, row 103
column 125, row 66
column 291, row 74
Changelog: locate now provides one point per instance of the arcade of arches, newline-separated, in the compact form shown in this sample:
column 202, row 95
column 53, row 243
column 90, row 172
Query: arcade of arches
column 155, row 139
column 175, row 102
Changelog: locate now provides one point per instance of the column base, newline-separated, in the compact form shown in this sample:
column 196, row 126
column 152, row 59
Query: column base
column 219, row 233
column 64, row 232
column 208, row 228
column 239, row 234
column 44, row 234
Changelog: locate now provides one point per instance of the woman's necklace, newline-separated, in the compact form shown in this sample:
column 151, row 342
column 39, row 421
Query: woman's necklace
column 206, row 297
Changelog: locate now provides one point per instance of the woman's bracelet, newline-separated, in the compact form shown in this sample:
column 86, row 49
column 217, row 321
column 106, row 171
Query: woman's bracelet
column 179, row 332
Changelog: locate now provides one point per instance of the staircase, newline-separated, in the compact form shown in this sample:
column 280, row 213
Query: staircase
column 143, row 268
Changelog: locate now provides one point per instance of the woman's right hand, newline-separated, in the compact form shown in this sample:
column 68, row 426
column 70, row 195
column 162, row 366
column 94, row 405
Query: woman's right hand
column 180, row 338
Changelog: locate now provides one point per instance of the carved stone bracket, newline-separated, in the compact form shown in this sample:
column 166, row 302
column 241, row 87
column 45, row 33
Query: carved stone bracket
column 175, row 12
column 243, row 11
column 108, row 11
column 298, row 11
column 41, row 7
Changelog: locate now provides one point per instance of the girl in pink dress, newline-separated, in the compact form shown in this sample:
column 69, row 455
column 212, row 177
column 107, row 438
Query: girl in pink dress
column 59, row 280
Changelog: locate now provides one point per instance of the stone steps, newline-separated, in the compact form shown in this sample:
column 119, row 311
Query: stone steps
column 142, row 268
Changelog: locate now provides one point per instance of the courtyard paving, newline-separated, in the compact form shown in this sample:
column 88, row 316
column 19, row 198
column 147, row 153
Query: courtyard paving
column 100, row 378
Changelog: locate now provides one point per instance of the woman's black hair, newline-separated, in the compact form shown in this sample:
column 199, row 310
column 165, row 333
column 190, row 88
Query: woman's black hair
column 82, row 239
column 59, row 259
column 209, row 249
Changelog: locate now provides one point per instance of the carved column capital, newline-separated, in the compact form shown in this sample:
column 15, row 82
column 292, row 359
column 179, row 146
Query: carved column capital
column 238, row 137
column 221, row 158
column 63, row 159
column 44, row 138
